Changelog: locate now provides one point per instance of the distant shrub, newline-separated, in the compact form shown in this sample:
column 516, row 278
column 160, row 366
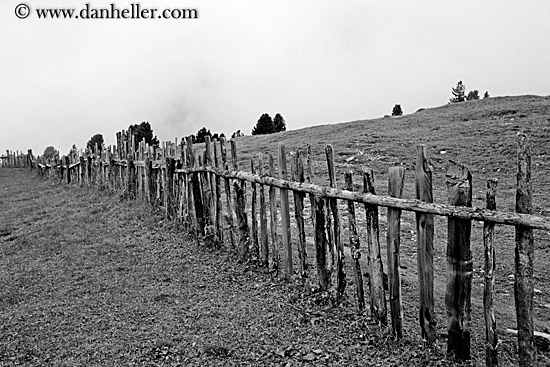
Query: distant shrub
column 473, row 94
column 237, row 134
column 96, row 139
column 458, row 93
column 50, row 152
column 144, row 131
column 397, row 111
column 201, row 134
column 486, row 95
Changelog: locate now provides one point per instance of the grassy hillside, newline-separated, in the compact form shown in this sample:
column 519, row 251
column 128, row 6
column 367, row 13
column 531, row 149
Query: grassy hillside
column 480, row 134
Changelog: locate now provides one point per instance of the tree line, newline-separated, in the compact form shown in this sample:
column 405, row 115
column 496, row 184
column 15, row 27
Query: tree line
column 144, row 131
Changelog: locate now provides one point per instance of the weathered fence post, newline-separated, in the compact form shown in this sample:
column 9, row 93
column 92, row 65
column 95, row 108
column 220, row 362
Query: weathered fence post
column 374, row 261
column 273, row 218
column 491, row 338
column 338, row 246
column 219, row 207
column 81, row 171
column 208, row 183
column 131, row 188
column 194, row 190
column 285, row 216
column 242, row 221
column 424, row 238
column 355, row 245
column 148, row 173
column 89, row 169
column 396, row 179
column 459, row 264
column 169, row 192
column 297, row 168
column 320, row 242
column 240, row 206
column 230, row 215
column 264, row 251
column 68, row 164
column 253, row 216
column 524, row 253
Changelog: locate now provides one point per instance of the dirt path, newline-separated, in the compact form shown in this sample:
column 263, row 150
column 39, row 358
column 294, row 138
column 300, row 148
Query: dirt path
column 88, row 279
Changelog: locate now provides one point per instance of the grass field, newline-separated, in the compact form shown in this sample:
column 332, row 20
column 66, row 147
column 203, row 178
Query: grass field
column 89, row 279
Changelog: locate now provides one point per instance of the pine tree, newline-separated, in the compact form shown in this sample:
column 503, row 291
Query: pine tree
column 264, row 125
column 278, row 123
column 458, row 93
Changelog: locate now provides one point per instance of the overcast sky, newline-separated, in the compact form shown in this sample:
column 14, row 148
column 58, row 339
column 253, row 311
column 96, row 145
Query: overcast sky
column 315, row 62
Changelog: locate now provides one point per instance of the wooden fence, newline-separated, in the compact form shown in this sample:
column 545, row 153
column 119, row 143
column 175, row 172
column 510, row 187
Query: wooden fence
column 16, row 159
column 207, row 195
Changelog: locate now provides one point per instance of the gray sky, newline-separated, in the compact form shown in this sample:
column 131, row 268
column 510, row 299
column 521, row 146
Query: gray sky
column 315, row 62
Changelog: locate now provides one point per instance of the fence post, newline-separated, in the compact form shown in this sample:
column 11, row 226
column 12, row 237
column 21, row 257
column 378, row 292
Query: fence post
column 253, row 216
column 208, row 185
column 264, row 252
column 130, row 178
column 194, row 190
column 169, row 192
column 459, row 264
column 524, row 253
column 81, row 171
column 491, row 339
column 396, row 179
column 229, row 215
column 147, row 173
column 219, row 207
column 321, row 242
column 285, row 216
column 355, row 245
column 376, row 268
column 273, row 218
column 424, row 238
column 240, row 209
column 297, row 168
column 338, row 246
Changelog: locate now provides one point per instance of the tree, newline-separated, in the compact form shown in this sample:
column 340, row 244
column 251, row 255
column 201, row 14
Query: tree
column 473, row 94
column 201, row 134
column 397, row 111
column 486, row 95
column 97, row 138
column 278, row 123
column 264, row 125
column 144, row 131
column 50, row 152
column 458, row 92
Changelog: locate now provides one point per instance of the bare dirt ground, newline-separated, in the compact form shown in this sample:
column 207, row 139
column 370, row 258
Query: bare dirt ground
column 89, row 279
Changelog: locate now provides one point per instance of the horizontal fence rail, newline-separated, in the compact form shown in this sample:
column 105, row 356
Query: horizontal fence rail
column 207, row 195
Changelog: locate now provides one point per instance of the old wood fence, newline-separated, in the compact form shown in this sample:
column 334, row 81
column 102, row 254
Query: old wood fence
column 16, row 159
column 207, row 194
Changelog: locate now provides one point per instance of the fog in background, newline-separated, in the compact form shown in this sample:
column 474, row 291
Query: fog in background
column 315, row 62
